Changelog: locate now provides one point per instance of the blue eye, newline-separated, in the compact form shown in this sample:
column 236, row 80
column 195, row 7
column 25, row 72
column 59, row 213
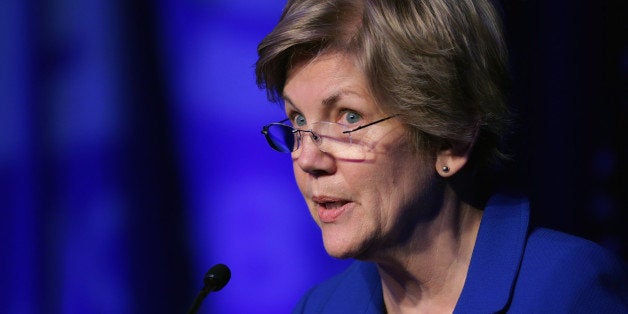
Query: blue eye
column 353, row 117
column 299, row 120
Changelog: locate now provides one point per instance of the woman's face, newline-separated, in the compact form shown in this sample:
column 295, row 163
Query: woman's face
column 362, row 206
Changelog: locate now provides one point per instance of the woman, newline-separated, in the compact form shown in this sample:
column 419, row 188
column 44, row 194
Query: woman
column 395, row 111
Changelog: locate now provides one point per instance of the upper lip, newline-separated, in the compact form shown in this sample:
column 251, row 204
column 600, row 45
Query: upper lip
column 325, row 199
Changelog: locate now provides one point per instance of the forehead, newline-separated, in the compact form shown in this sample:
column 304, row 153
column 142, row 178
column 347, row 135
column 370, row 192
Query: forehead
column 325, row 79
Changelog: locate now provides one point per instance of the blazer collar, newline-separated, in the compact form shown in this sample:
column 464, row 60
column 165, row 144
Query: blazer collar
column 496, row 256
column 492, row 272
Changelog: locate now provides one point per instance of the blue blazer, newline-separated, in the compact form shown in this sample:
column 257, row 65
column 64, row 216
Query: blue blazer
column 513, row 269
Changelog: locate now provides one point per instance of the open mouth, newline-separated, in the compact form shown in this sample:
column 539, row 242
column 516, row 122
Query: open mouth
column 330, row 209
column 333, row 205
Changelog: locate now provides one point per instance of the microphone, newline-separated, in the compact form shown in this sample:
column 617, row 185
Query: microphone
column 215, row 279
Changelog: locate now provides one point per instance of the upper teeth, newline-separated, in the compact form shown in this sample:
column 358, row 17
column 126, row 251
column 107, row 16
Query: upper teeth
column 331, row 205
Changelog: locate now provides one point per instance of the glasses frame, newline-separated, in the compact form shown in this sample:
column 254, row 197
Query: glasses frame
column 315, row 137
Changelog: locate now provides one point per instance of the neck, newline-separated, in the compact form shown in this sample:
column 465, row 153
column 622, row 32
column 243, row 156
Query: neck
column 427, row 273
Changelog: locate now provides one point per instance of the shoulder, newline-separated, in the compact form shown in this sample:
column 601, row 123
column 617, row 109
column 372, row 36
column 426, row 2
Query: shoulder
column 357, row 289
column 567, row 253
column 567, row 273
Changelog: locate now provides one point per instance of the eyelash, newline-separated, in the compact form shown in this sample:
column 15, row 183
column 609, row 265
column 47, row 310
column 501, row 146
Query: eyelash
column 345, row 112
column 341, row 113
column 292, row 115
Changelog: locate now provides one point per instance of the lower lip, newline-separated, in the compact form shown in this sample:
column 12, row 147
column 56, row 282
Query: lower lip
column 330, row 215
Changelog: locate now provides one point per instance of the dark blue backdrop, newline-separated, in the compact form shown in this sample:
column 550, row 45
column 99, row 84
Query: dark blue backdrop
column 131, row 158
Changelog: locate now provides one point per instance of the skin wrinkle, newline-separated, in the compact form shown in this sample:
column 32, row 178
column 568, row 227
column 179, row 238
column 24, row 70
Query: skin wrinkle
column 406, row 292
column 440, row 67
column 397, row 211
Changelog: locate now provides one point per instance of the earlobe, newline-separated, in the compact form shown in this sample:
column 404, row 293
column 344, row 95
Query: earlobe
column 452, row 156
column 452, row 159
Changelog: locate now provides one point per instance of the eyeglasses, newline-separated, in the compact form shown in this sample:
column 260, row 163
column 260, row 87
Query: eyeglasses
column 330, row 137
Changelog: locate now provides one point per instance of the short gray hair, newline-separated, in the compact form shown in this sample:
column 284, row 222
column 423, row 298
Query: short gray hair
column 441, row 65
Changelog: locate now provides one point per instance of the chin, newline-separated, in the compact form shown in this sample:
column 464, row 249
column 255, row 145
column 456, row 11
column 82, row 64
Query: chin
column 339, row 254
column 343, row 249
column 338, row 248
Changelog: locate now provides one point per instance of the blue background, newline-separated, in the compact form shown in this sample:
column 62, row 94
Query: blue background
column 131, row 158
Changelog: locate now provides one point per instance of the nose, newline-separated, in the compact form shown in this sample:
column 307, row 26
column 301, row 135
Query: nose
column 310, row 159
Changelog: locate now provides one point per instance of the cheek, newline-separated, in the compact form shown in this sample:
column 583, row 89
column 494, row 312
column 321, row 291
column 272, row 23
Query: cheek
column 376, row 187
column 401, row 177
column 299, row 176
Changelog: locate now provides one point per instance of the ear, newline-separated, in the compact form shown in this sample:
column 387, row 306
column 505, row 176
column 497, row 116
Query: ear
column 451, row 158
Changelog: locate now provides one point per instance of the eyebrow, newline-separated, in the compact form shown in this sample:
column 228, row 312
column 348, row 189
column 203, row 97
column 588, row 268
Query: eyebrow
column 287, row 100
column 327, row 101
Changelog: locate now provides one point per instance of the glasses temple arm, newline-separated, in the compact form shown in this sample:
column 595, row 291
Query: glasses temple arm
column 369, row 124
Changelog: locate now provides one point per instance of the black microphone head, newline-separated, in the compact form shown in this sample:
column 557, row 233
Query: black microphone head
column 217, row 277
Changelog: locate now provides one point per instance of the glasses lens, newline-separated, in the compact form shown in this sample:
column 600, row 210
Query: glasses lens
column 331, row 139
column 336, row 139
column 280, row 137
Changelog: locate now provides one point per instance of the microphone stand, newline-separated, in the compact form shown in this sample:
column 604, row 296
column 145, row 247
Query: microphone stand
column 198, row 300
column 215, row 279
